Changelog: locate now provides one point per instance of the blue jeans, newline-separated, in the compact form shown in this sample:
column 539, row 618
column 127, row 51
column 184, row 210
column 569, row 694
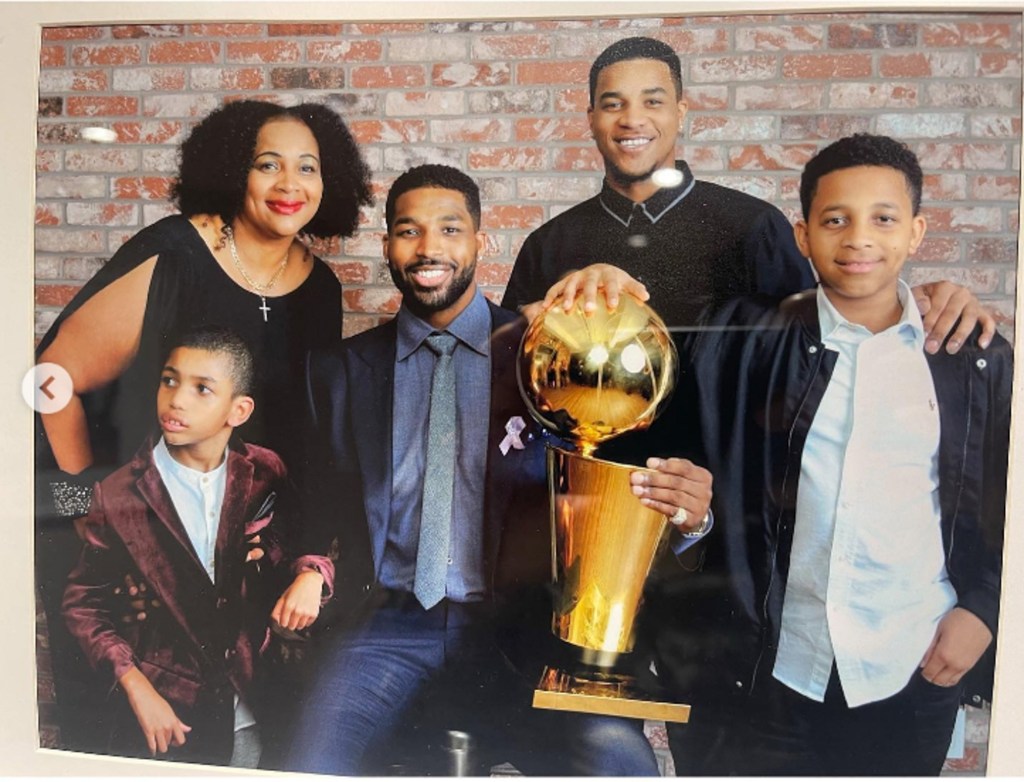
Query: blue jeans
column 370, row 680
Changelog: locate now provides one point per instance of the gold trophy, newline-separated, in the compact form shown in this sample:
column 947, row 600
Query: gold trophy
column 588, row 378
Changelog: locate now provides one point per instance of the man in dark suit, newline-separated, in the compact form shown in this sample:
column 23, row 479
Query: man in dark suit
column 406, row 628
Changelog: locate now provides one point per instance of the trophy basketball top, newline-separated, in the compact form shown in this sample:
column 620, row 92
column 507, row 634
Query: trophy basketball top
column 591, row 377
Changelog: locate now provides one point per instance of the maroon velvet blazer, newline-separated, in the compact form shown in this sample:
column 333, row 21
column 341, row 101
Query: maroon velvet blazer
column 198, row 648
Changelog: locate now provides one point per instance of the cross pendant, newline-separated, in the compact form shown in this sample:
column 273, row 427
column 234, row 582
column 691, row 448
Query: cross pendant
column 264, row 308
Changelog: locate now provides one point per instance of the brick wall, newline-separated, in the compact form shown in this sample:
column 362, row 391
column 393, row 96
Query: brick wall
column 505, row 101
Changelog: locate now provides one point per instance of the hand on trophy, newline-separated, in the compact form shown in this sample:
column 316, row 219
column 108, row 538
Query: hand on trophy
column 678, row 488
column 587, row 283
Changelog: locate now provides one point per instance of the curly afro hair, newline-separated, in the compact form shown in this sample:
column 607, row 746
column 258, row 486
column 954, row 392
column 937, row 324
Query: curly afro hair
column 216, row 157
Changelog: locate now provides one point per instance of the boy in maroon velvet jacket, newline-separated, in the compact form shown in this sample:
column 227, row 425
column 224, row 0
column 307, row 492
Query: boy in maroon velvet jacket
column 184, row 516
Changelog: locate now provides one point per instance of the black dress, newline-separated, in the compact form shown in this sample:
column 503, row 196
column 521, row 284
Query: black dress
column 188, row 289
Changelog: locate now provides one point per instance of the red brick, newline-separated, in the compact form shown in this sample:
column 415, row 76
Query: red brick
column 943, row 156
column 388, row 76
column 578, row 159
column 478, row 129
column 372, row 300
column 508, row 158
column 353, row 272
column 184, row 51
column 553, row 72
column 273, row 52
column 94, row 106
column 826, row 66
column 307, row 78
column 782, row 38
column 227, row 78
column 979, row 219
column 493, row 273
column 872, row 36
column 572, row 100
column 121, row 54
column 344, row 51
column 1006, row 64
column 226, row 30
column 417, row 104
column 47, row 215
column 517, row 47
column 52, row 56
column 149, row 132
column 55, row 295
column 996, row 188
column 861, row 95
column 179, row 104
column 979, row 281
column 298, row 29
column 976, row 34
column 353, row 324
column 511, row 217
column 760, row 67
column 770, row 157
column 827, row 127
column 73, row 33
column 386, row 28
column 150, row 188
column 147, row 30
column 74, row 81
column 788, row 97
column 924, row 65
column 992, row 250
column 710, row 97
column 938, row 249
column 553, row 129
column 47, row 160
column 86, row 213
column 322, row 248
column 147, row 79
column 364, row 244
column 944, row 187
column 468, row 74
column 373, row 131
column 101, row 159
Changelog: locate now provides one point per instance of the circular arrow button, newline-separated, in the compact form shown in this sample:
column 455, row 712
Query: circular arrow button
column 47, row 388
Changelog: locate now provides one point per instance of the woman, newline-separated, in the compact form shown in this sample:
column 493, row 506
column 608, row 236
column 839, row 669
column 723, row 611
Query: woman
column 253, row 177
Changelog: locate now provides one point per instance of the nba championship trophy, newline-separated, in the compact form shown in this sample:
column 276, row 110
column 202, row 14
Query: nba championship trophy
column 589, row 378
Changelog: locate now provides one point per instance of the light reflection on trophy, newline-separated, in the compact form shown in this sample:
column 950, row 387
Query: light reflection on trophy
column 589, row 378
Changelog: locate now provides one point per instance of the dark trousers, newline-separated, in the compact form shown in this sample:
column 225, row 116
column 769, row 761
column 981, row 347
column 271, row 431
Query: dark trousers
column 907, row 734
column 407, row 671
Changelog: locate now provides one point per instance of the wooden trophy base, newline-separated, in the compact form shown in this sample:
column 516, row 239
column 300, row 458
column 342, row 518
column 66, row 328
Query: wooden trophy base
column 614, row 695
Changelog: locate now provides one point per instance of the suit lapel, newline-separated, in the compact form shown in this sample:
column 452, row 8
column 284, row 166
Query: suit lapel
column 229, row 559
column 163, row 554
column 371, row 385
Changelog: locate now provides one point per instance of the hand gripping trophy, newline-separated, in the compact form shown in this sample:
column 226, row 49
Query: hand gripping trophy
column 588, row 378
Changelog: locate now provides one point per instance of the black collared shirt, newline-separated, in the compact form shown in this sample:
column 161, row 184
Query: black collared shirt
column 693, row 245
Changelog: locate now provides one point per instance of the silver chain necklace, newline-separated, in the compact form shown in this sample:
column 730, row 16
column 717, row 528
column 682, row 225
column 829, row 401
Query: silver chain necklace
column 257, row 288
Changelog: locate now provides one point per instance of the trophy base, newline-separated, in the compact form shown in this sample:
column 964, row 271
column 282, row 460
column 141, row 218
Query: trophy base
column 614, row 695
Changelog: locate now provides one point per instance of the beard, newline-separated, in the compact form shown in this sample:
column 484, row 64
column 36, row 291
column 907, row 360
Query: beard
column 427, row 301
column 624, row 178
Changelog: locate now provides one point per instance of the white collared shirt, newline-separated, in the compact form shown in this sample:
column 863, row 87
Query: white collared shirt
column 867, row 580
column 198, row 498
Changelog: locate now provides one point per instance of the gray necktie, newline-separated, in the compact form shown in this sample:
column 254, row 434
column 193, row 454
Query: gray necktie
column 439, row 477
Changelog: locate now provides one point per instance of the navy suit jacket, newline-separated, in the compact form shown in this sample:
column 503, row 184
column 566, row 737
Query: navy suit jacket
column 347, row 471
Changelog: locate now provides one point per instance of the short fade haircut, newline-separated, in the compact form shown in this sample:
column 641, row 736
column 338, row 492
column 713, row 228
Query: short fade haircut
column 862, row 149
column 638, row 48
column 225, row 342
column 434, row 175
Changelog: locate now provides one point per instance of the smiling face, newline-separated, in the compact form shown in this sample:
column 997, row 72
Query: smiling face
column 431, row 249
column 860, row 230
column 285, row 187
column 197, row 406
column 635, row 119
